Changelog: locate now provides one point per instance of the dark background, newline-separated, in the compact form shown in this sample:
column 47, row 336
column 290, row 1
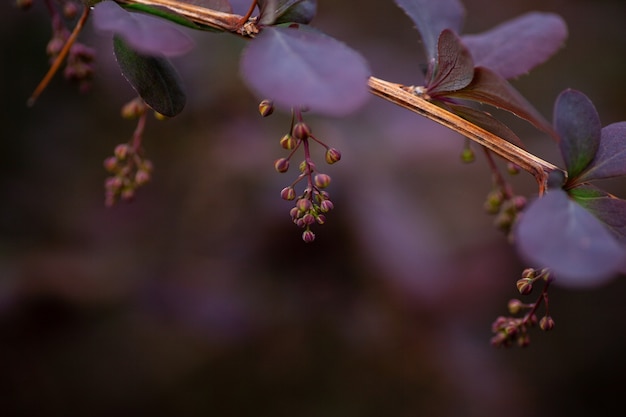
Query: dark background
column 199, row 298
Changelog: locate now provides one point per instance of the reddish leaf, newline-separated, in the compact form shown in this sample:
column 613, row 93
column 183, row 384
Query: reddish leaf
column 144, row 33
column 610, row 159
column 578, row 125
column 558, row 233
column 518, row 45
column 455, row 68
column 305, row 68
column 490, row 88
column 432, row 17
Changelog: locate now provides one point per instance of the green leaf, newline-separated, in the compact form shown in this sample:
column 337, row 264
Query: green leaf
column 154, row 78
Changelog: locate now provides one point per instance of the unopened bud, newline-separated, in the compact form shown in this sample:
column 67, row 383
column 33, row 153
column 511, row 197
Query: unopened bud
column 281, row 165
column 524, row 286
column 332, row 155
column 304, row 205
column 266, row 107
column 110, row 164
column 546, row 323
column 321, row 219
column 322, row 180
column 468, row 155
column 515, row 306
column 512, row 168
column 70, row 10
column 142, row 177
column 301, row 131
column 288, row 142
column 121, row 151
column 326, row 206
column 308, row 236
column 288, row 193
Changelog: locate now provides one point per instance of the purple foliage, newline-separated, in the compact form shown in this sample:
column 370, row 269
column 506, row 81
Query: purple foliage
column 578, row 125
column 284, row 11
column 610, row 160
column 455, row 68
column 219, row 5
column 297, row 66
column 558, row 233
column 610, row 210
column 490, row 88
column 144, row 33
column 518, row 45
column 432, row 17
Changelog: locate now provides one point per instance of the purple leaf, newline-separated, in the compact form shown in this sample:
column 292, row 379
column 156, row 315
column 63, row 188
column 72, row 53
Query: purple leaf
column 486, row 121
column 610, row 159
column 490, row 88
column 609, row 209
column 558, row 233
column 144, row 33
column 285, row 11
column 455, row 68
column 432, row 17
column 578, row 125
column 518, row 45
column 305, row 68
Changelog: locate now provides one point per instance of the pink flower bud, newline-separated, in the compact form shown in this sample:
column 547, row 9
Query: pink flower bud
column 308, row 236
column 322, row 180
column 281, row 165
column 301, row 131
column 288, row 142
column 332, row 155
column 266, row 108
column 288, row 193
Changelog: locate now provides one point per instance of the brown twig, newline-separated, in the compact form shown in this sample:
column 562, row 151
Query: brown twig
column 397, row 94
column 60, row 58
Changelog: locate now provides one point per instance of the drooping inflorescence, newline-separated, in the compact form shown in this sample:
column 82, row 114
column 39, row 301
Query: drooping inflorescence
column 312, row 204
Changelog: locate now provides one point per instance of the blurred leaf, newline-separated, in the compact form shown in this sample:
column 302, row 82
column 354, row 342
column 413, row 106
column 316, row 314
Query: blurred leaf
column 454, row 69
column 606, row 207
column 610, row 159
column 285, row 11
column 432, row 17
column 296, row 66
column 218, row 5
column 154, row 78
column 578, row 125
column 518, row 45
column 490, row 88
column 486, row 121
column 558, row 233
column 147, row 34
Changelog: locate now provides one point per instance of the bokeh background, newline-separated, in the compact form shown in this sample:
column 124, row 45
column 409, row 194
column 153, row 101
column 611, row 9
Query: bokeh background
column 199, row 298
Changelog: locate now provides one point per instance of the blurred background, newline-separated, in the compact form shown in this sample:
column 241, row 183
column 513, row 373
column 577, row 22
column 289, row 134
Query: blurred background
column 200, row 298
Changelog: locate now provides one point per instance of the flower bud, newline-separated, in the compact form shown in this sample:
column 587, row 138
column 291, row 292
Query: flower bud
column 512, row 168
column 468, row 155
column 523, row 340
column 332, row 155
column 110, row 164
column 281, row 165
column 70, row 10
column 294, row 212
column 326, row 206
column 142, row 177
column 322, row 180
column 308, row 236
column 304, row 205
column 133, row 109
column 546, row 323
column 308, row 219
column 288, row 142
column 524, row 286
column 266, row 107
column 321, row 219
column 528, row 273
column 493, row 202
column 288, row 193
column 515, row 306
column 121, row 151
column 301, row 131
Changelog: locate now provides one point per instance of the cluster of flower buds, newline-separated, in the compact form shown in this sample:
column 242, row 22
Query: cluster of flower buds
column 129, row 171
column 314, row 202
column 505, row 208
column 514, row 330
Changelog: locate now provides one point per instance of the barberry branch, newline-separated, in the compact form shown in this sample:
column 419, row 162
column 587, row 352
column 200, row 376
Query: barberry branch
column 60, row 58
column 399, row 94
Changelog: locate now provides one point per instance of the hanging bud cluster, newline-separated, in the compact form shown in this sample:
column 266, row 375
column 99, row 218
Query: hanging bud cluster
column 513, row 330
column 129, row 169
column 312, row 204
column 505, row 207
